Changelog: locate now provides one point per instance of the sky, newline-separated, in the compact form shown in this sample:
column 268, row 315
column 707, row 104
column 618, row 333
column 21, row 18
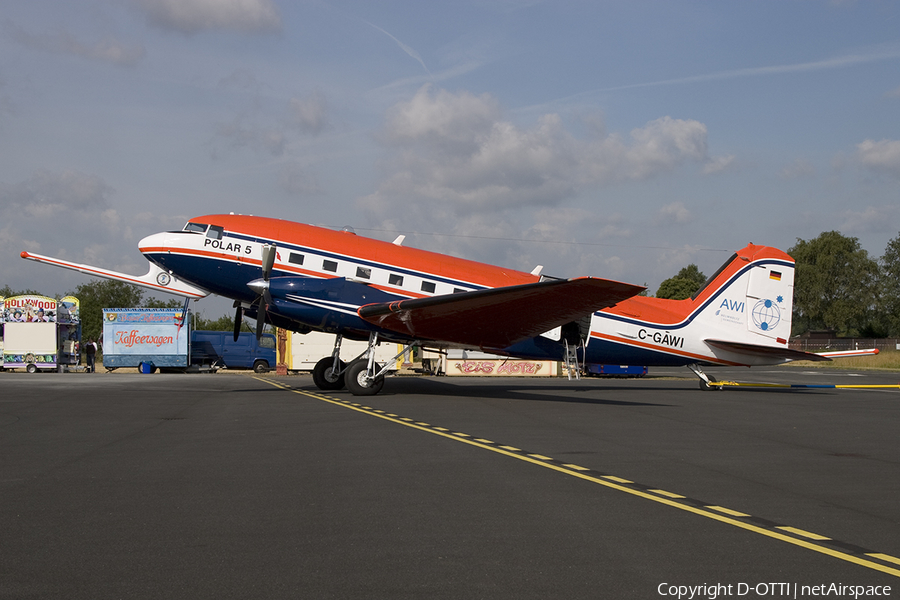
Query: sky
column 609, row 138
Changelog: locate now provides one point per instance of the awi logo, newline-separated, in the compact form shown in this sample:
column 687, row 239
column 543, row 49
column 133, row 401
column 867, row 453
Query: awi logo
column 766, row 315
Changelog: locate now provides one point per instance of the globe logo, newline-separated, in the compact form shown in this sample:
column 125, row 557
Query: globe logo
column 766, row 315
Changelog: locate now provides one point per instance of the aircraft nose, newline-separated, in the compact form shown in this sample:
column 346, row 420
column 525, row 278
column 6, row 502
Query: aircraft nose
column 156, row 242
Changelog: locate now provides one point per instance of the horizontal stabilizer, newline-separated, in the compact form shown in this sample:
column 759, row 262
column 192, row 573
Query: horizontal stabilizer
column 155, row 279
column 766, row 351
column 498, row 317
column 849, row 353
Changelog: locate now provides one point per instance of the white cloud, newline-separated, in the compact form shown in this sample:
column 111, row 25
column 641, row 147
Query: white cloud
column 191, row 16
column 54, row 212
column 446, row 120
column 294, row 179
column 310, row 114
column 883, row 156
column 454, row 149
column 799, row 169
column 870, row 219
column 718, row 164
column 109, row 50
column 239, row 135
column 673, row 213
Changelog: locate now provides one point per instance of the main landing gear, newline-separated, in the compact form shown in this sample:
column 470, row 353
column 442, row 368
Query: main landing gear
column 706, row 381
column 362, row 376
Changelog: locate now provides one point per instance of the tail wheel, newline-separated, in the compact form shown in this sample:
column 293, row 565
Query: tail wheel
column 324, row 376
column 706, row 386
column 358, row 383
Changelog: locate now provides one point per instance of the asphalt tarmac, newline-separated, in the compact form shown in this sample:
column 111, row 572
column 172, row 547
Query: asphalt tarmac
column 244, row 486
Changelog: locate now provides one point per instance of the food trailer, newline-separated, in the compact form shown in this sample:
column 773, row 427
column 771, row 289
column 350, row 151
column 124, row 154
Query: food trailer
column 147, row 338
column 40, row 333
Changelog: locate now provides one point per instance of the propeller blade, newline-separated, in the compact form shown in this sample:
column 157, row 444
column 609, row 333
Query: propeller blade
column 260, row 321
column 268, row 260
column 238, row 317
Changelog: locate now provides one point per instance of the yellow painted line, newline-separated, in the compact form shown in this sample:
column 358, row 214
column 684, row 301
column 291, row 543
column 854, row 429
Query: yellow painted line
column 572, row 471
column 728, row 511
column 806, row 534
column 616, row 479
column 462, row 434
column 576, row 467
column 441, row 429
column 511, row 448
column 483, row 441
column 667, row 494
column 422, row 424
column 540, row 457
column 885, row 557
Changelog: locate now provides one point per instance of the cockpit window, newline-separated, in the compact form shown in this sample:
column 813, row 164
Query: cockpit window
column 195, row 227
column 215, row 232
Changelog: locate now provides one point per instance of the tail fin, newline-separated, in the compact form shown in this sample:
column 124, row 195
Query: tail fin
column 750, row 299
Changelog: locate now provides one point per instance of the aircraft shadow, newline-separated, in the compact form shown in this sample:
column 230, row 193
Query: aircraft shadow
column 504, row 390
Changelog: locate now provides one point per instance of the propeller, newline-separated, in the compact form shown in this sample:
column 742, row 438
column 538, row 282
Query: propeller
column 264, row 300
column 238, row 317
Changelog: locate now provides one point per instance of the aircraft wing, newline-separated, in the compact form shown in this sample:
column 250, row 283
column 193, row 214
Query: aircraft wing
column 155, row 279
column 498, row 317
column 767, row 351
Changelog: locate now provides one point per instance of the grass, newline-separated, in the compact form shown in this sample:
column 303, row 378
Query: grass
column 888, row 360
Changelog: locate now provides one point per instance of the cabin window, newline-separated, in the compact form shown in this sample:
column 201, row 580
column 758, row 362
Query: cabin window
column 363, row 272
column 195, row 227
column 329, row 265
column 295, row 258
column 428, row 287
column 459, row 291
column 215, row 232
column 395, row 279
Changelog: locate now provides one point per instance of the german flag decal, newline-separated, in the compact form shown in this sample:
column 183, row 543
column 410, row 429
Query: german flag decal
column 775, row 275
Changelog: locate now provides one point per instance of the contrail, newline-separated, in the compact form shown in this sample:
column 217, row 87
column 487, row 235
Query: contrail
column 890, row 52
column 403, row 47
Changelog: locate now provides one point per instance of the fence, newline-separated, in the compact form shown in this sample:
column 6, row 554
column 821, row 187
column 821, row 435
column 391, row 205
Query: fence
column 836, row 344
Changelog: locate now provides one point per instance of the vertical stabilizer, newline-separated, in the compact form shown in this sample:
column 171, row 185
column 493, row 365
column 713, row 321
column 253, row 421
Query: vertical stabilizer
column 749, row 300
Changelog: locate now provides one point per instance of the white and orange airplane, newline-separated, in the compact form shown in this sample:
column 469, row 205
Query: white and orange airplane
column 305, row 278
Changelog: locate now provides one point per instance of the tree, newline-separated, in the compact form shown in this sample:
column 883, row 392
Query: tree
column 97, row 295
column 889, row 288
column 683, row 285
column 8, row 292
column 223, row 323
column 835, row 284
column 152, row 302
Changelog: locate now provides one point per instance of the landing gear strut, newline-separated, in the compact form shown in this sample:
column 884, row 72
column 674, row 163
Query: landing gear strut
column 328, row 374
column 362, row 376
column 706, row 381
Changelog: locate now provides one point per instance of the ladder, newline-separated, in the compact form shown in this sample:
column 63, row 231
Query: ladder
column 572, row 365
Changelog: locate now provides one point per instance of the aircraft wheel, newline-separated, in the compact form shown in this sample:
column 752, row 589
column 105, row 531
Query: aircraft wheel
column 324, row 377
column 706, row 386
column 356, row 379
